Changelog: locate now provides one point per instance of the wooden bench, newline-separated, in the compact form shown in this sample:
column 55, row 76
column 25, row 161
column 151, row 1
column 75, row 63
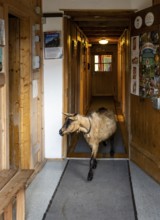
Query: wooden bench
column 12, row 187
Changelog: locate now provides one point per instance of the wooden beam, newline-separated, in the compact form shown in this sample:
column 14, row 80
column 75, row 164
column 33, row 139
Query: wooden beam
column 8, row 212
column 155, row 2
column 52, row 15
column 20, row 214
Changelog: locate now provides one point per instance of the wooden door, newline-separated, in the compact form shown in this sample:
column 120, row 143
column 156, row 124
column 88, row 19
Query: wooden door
column 104, row 70
column 102, row 80
column 145, row 85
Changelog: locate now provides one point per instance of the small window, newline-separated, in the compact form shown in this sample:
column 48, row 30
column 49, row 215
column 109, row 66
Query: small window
column 103, row 63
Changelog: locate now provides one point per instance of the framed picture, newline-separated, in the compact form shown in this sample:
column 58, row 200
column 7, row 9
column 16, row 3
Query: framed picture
column 52, row 49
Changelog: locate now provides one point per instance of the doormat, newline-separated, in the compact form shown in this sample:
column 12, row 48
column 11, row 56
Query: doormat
column 107, row 197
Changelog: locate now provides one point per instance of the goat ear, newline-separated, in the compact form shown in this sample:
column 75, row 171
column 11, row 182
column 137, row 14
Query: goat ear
column 68, row 114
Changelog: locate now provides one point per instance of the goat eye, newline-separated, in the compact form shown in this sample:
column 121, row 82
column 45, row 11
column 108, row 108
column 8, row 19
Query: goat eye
column 68, row 122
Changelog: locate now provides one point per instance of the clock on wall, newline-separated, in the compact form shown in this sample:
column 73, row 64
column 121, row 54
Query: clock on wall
column 149, row 19
column 138, row 22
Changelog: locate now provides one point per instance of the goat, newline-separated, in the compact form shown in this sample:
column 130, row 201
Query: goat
column 97, row 127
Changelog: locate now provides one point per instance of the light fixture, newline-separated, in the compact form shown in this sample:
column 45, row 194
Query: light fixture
column 103, row 41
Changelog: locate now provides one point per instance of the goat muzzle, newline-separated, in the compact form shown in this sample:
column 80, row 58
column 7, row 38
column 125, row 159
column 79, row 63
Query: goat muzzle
column 61, row 132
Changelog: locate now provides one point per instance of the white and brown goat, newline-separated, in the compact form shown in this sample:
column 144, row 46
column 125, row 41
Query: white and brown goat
column 97, row 127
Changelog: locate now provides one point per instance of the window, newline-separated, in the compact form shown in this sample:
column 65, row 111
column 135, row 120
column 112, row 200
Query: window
column 103, row 63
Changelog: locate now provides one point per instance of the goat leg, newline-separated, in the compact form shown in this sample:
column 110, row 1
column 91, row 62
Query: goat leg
column 91, row 167
column 112, row 146
column 94, row 166
column 90, row 175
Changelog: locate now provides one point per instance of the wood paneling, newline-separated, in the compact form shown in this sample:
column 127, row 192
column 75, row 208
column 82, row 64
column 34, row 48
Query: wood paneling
column 76, row 73
column 22, row 105
column 145, row 120
column 145, row 145
column 14, row 91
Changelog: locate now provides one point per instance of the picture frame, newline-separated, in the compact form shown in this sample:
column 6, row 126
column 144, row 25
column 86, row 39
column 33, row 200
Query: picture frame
column 52, row 42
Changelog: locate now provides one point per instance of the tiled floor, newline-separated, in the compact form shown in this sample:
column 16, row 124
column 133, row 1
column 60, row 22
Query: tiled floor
column 41, row 190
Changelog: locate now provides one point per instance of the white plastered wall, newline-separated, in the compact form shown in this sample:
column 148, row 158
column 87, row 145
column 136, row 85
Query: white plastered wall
column 53, row 69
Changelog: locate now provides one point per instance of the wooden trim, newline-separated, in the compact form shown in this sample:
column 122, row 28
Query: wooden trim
column 2, row 79
column 99, row 155
column 52, row 15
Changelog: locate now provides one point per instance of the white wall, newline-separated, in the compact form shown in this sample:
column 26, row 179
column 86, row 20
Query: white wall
column 53, row 97
column 53, row 68
column 56, row 5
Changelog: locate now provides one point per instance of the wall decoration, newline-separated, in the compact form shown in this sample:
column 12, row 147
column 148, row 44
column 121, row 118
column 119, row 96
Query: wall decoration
column 2, row 32
column 138, row 22
column 52, row 49
column 149, row 61
column 135, row 65
column 149, row 19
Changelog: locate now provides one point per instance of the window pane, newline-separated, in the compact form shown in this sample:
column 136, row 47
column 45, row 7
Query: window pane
column 103, row 63
column 108, row 67
column 96, row 58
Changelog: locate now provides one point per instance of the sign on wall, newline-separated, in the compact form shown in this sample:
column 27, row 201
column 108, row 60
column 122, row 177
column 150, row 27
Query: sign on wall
column 145, row 64
column 149, row 64
column 52, row 49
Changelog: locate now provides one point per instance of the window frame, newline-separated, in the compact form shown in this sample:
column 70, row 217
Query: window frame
column 95, row 63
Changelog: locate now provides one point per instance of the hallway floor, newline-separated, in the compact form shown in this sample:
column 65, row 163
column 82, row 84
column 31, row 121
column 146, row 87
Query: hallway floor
column 41, row 190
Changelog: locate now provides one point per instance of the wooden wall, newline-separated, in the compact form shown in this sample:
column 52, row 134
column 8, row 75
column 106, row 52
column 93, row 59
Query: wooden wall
column 21, row 93
column 145, row 120
column 77, row 74
column 145, row 131
column 123, row 75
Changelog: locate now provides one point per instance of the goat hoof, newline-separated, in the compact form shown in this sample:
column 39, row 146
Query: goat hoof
column 90, row 176
column 112, row 153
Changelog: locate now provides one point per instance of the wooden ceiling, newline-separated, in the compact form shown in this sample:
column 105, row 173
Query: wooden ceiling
column 100, row 24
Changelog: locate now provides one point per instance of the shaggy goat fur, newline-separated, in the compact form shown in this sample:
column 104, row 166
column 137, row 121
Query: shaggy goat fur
column 97, row 127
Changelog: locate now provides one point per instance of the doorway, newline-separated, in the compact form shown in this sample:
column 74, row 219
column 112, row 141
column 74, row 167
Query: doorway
column 88, row 28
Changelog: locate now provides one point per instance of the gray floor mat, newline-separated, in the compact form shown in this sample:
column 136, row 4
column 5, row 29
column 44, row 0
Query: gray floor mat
column 107, row 197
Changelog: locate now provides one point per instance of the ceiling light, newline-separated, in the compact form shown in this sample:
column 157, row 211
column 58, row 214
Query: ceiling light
column 103, row 41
